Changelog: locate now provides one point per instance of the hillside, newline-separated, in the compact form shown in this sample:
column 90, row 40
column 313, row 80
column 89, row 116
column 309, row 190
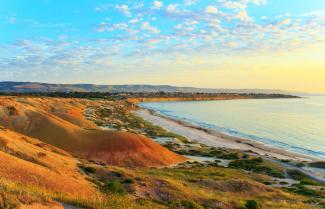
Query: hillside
column 38, row 166
column 25, row 87
column 60, row 153
column 60, row 122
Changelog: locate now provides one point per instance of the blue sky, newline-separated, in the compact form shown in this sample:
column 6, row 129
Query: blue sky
column 97, row 41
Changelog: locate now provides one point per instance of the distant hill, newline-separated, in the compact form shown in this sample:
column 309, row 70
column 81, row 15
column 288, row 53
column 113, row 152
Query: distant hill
column 25, row 87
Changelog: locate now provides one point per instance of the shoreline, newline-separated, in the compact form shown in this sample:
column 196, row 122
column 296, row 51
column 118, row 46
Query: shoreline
column 218, row 139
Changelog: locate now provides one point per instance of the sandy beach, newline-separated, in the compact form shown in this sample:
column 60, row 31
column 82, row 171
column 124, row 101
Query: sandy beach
column 217, row 139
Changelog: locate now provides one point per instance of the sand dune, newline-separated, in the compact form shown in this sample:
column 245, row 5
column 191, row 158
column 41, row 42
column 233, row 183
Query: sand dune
column 60, row 122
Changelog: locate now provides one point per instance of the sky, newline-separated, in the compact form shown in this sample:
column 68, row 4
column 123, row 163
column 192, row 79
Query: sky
column 266, row 44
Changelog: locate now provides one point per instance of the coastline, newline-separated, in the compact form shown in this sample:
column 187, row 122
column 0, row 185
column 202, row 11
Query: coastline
column 218, row 139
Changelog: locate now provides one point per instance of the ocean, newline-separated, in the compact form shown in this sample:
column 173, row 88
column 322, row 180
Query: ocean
column 297, row 125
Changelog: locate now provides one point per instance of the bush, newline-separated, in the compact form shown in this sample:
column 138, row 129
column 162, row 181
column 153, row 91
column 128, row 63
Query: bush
column 302, row 190
column 252, row 204
column 128, row 181
column 300, row 176
column 89, row 169
column 319, row 164
column 256, row 165
column 114, row 187
column 7, row 201
column 300, row 165
column 184, row 204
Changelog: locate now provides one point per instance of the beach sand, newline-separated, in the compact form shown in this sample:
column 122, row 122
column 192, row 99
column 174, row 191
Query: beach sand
column 217, row 139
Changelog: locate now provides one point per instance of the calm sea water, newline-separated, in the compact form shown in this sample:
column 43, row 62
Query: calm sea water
column 294, row 124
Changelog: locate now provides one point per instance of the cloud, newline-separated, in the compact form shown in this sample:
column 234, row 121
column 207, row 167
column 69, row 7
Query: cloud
column 190, row 2
column 157, row 4
column 286, row 21
column 147, row 27
column 211, row 10
column 124, row 9
column 240, row 4
column 139, row 32
column 133, row 21
column 243, row 16
column 12, row 19
column 172, row 8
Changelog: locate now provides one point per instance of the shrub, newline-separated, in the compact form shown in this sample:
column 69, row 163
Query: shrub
column 300, row 165
column 128, row 181
column 114, row 187
column 252, row 204
column 117, row 174
column 184, row 204
column 302, row 190
column 89, row 169
column 256, row 165
column 7, row 201
column 296, row 174
column 320, row 164
column 284, row 183
column 300, row 176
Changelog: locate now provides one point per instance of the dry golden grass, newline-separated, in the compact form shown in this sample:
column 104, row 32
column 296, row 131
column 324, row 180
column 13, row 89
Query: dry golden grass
column 53, row 169
column 229, row 188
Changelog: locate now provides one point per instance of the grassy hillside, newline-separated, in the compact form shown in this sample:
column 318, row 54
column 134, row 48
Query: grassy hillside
column 53, row 151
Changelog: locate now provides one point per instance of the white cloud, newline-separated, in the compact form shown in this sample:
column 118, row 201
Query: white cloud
column 147, row 27
column 12, row 19
column 234, row 5
column 190, row 2
column 258, row 2
column 211, row 10
column 243, row 16
column 240, row 4
column 133, row 21
column 286, row 21
column 191, row 30
column 157, row 4
column 232, row 44
column 124, row 9
column 172, row 8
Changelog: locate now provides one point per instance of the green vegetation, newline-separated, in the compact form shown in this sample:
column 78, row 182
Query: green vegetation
column 204, row 185
column 151, row 130
column 184, row 204
column 114, row 187
column 207, row 151
column 258, row 165
column 303, row 190
column 88, row 169
column 118, row 116
column 300, row 176
column 320, row 164
column 252, row 204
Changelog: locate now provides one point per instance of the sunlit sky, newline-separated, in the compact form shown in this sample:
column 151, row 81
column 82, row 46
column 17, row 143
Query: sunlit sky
column 273, row 44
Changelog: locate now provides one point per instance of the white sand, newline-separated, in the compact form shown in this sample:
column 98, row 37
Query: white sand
column 216, row 139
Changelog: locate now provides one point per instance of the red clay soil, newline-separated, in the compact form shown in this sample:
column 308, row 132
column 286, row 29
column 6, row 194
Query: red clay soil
column 60, row 122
